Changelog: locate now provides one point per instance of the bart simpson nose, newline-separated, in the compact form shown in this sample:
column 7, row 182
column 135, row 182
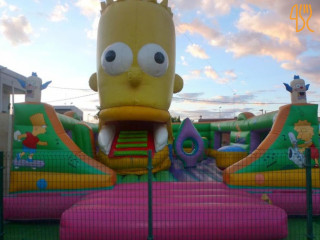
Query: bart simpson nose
column 134, row 76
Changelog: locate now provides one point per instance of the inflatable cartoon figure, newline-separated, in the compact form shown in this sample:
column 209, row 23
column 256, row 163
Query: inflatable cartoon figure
column 135, row 80
column 298, row 90
column 294, row 153
column 33, row 86
column 31, row 141
column 303, row 141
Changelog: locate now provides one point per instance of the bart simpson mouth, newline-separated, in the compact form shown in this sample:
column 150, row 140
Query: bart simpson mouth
column 132, row 130
column 134, row 113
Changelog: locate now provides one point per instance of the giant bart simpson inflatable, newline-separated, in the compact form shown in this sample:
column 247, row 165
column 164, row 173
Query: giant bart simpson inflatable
column 135, row 79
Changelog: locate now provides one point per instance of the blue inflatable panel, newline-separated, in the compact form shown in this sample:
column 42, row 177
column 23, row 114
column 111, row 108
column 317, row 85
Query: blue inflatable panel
column 232, row 148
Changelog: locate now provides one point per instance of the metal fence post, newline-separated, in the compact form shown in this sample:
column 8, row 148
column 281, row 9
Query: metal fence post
column 309, row 194
column 150, row 167
column 1, row 197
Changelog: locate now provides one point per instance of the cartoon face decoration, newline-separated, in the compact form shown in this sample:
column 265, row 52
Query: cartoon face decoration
column 33, row 86
column 135, row 57
column 298, row 90
column 33, row 89
column 299, row 87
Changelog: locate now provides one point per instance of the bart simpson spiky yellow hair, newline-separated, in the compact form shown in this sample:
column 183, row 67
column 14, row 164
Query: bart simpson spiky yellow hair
column 304, row 130
column 37, row 119
column 164, row 4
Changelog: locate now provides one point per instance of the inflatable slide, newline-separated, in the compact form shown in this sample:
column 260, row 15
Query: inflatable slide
column 279, row 160
column 48, row 165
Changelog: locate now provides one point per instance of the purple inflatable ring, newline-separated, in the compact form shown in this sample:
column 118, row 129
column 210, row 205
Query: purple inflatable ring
column 188, row 132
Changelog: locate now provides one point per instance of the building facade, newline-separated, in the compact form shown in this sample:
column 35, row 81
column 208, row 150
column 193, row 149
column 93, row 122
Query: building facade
column 9, row 86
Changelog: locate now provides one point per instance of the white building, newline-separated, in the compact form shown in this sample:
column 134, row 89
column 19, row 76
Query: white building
column 9, row 85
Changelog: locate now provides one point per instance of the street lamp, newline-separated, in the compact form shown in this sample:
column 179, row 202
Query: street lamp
column 220, row 112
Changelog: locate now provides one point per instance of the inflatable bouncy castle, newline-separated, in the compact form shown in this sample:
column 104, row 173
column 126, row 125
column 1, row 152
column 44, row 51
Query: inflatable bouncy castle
column 92, row 177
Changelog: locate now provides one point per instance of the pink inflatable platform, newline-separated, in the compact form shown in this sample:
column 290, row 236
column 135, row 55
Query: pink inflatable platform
column 39, row 206
column 293, row 201
column 181, row 210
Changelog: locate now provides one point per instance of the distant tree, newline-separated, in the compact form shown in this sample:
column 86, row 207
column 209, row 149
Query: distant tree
column 175, row 119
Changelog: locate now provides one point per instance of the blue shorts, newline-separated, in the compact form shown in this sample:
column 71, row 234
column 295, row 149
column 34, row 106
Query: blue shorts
column 28, row 150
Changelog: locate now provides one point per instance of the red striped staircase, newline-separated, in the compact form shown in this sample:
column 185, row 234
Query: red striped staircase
column 132, row 143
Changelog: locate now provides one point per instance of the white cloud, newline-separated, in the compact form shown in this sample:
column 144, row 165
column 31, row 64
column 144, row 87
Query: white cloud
column 190, row 95
column 12, row 8
column 217, row 7
column 236, row 98
column 196, row 73
column 212, row 35
column 211, row 73
column 192, row 75
column 92, row 33
column 251, row 38
column 260, row 32
column 196, row 51
column 263, row 28
column 252, row 43
column 89, row 7
column 183, row 5
column 283, row 8
column 291, row 46
column 16, row 29
column 264, row 33
column 230, row 73
column 2, row 3
column 58, row 13
column 210, row 7
column 183, row 61
column 269, row 24
column 307, row 67
column 226, row 106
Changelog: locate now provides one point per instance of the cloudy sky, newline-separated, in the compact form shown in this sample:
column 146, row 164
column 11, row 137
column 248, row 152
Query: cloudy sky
column 233, row 55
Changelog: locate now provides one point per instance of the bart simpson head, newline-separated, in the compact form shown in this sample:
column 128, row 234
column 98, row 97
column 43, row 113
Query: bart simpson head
column 38, row 124
column 135, row 59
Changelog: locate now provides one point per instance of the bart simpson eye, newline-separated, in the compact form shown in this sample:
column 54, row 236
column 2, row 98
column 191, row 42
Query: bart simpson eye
column 159, row 57
column 110, row 56
column 153, row 60
column 116, row 58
